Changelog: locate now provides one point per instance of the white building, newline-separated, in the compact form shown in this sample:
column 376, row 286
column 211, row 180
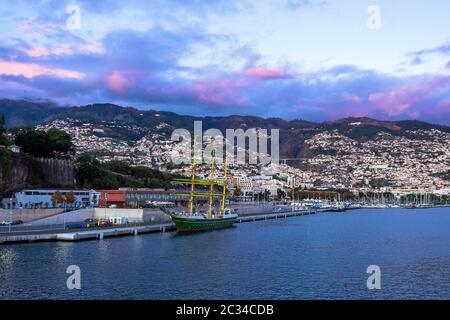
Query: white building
column 245, row 184
column 14, row 148
column 42, row 198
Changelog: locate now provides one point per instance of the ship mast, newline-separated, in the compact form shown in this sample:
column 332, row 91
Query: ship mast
column 224, row 187
column 191, row 195
column 208, row 182
column 211, row 188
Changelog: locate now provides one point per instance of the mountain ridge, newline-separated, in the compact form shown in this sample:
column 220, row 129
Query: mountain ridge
column 26, row 112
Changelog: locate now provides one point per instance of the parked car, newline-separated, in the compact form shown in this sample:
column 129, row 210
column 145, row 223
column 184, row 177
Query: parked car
column 6, row 223
column 104, row 223
column 17, row 222
column 75, row 225
column 90, row 223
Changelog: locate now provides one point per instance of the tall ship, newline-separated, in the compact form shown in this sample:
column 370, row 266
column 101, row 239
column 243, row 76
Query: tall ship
column 214, row 218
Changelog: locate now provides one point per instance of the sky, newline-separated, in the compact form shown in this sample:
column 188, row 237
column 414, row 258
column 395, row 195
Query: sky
column 295, row 59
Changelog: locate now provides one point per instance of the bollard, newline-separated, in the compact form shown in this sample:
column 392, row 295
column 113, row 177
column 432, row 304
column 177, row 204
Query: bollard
column 100, row 236
column 135, row 232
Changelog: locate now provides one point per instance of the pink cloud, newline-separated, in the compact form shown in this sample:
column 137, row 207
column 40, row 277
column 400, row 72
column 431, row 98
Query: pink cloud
column 221, row 92
column 63, row 50
column 444, row 105
column 400, row 100
column 411, row 100
column 442, row 110
column 265, row 73
column 30, row 70
column 392, row 103
column 352, row 99
column 117, row 81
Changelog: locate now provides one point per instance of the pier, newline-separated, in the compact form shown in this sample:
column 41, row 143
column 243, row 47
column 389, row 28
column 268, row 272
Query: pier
column 278, row 215
column 86, row 234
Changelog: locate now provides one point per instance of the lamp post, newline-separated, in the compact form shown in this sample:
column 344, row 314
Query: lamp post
column 64, row 215
column 106, row 203
column 10, row 213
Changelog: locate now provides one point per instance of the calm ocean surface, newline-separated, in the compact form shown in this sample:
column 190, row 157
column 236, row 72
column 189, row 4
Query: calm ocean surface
column 310, row 257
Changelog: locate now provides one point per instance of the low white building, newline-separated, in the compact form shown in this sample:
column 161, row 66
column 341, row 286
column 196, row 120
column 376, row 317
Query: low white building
column 14, row 148
column 42, row 198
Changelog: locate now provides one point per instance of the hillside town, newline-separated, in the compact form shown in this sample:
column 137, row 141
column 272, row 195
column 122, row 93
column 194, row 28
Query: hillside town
column 417, row 162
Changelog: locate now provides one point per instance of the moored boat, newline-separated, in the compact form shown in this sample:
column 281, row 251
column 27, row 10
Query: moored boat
column 199, row 222
column 214, row 218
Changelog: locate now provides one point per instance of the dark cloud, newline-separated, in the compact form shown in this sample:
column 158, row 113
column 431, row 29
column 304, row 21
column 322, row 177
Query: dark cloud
column 418, row 56
column 444, row 49
column 296, row 4
column 416, row 61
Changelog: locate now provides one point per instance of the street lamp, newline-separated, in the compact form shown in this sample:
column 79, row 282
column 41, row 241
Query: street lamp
column 64, row 215
column 10, row 213
column 106, row 203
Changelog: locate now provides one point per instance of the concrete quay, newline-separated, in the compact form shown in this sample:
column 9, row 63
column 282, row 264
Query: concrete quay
column 101, row 233
column 278, row 215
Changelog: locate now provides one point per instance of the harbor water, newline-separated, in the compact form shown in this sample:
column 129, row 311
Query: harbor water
column 323, row 256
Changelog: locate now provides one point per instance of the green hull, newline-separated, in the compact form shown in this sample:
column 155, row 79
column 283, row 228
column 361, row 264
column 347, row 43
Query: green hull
column 189, row 225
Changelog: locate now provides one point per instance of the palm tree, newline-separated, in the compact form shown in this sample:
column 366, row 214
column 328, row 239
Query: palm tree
column 70, row 198
column 57, row 198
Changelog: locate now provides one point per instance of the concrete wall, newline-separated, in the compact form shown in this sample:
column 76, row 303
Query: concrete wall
column 58, row 172
column 133, row 215
column 155, row 216
column 251, row 209
column 27, row 215
column 67, row 217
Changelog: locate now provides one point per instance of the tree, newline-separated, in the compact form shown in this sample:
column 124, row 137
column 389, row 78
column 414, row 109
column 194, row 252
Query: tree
column 57, row 198
column 3, row 139
column 88, row 170
column 70, row 197
column 60, row 143
column 91, row 173
column 118, row 166
column 2, row 124
column 53, row 143
column 266, row 195
column 280, row 194
column 237, row 192
column 31, row 141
